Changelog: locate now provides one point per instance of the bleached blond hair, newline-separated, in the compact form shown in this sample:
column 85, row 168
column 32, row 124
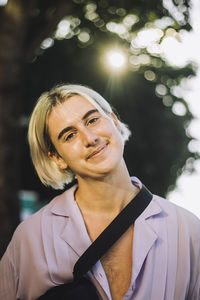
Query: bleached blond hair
column 39, row 139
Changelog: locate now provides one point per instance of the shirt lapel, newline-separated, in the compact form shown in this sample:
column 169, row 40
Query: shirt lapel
column 144, row 237
column 75, row 232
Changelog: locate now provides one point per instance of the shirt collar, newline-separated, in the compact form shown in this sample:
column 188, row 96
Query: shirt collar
column 64, row 204
column 153, row 208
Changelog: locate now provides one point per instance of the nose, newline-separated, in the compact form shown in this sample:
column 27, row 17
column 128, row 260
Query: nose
column 89, row 137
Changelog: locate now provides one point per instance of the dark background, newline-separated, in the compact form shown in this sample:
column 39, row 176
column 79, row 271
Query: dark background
column 157, row 151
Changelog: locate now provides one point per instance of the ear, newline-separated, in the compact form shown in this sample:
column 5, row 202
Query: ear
column 58, row 160
column 116, row 121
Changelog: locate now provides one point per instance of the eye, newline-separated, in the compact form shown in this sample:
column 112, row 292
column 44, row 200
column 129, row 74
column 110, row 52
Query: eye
column 93, row 120
column 70, row 136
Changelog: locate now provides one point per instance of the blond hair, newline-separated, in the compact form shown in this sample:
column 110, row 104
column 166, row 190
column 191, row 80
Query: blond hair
column 39, row 140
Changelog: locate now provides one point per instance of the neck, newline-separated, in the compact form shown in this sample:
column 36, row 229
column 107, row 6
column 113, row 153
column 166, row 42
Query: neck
column 109, row 194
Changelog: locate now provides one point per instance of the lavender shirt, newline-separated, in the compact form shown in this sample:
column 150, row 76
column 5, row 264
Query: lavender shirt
column 45, row 247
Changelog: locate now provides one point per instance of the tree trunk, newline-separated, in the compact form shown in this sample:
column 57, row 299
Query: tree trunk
column 20, row 37
column 11, row 40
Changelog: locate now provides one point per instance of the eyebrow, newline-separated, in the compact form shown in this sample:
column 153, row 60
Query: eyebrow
column 86, row 115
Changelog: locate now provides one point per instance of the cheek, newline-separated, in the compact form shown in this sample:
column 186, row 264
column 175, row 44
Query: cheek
column 116, row 135
column 118, row 141
column 108, row 128
column 72, row 151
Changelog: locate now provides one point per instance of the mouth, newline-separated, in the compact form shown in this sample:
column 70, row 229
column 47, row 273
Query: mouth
column 97, row 152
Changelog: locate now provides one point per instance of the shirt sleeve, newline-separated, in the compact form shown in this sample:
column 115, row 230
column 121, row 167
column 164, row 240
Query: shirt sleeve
column 8, row 279
column 194, row 291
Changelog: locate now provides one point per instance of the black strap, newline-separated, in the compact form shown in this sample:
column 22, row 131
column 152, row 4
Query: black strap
column 112, row 233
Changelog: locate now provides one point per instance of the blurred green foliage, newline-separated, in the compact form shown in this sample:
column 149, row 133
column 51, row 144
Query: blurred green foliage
column 48, row 42
column 70, row 47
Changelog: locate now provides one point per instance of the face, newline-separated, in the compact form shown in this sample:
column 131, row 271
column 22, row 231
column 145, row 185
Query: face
column 87, row 142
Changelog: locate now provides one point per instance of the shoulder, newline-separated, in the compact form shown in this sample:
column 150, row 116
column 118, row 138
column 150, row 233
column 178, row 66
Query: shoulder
column 184, row 218
column 28, row 237
column 31, row 227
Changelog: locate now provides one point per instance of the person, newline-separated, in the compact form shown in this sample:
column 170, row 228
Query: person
column 74, row 134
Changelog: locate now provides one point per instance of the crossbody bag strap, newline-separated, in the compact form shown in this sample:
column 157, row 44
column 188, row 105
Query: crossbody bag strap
column 112, row 233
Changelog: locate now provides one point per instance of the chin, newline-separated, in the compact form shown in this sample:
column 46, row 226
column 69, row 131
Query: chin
column 107, row 167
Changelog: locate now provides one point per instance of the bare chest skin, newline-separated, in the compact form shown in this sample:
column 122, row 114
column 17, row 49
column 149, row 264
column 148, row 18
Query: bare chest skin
column 117, row 262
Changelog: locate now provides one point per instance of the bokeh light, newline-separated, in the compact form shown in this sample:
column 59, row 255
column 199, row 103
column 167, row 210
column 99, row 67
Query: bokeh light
column 116, row 59
column 3, row 2
column 179, row 108
column 48, row 42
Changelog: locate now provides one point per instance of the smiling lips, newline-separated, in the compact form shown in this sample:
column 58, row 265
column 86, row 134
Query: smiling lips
column 97, row 151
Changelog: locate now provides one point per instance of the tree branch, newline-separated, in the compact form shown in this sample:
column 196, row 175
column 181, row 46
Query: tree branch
column 50, row 18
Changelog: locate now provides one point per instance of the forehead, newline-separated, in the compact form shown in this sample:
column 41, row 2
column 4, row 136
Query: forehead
column 73, row 107
column 69, row 112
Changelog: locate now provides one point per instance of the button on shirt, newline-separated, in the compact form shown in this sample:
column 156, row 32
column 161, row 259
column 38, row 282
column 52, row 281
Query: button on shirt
column 45, row 247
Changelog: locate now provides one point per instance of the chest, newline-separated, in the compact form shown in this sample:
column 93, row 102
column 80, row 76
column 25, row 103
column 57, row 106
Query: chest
column 117, row 264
